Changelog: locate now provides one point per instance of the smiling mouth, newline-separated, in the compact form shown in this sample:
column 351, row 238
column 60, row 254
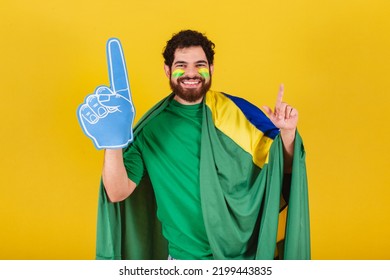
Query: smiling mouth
column 190, row 82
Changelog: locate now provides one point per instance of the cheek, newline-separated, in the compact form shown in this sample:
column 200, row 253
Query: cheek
column 177, row 73
column 204, row 72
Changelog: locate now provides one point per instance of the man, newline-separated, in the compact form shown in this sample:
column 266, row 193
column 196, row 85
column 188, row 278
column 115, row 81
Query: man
column 207, row 156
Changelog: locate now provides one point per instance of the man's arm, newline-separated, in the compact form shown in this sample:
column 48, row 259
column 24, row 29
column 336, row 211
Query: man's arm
column 288, row 139
column 118, row 186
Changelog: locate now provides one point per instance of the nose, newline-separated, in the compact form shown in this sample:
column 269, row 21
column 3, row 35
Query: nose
column 192, row 71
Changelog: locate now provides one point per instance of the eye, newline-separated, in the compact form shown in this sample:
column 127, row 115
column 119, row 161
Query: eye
column 179, row 65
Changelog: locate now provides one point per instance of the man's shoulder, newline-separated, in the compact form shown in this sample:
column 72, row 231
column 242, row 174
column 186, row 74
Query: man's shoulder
column 221, row 102
column 219, row 99
column 153, row 112
column 221, row 96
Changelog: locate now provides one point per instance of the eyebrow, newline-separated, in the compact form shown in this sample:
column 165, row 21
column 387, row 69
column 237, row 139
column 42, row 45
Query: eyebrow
column 180, row 62
column 202, row 61
column 185, row 62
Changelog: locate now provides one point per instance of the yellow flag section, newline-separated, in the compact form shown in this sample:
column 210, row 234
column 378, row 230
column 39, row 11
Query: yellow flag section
column 244, row 123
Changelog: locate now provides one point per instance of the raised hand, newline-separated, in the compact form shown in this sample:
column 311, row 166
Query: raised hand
column 284, row 116
column 107, row 115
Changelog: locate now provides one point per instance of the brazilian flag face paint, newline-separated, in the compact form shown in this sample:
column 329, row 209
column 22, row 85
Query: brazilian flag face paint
column 177, row 73
column 204, row 72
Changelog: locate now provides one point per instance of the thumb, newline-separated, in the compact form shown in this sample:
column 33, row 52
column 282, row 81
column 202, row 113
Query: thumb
column 267, row 110
column 107, row 97
column 110, row 100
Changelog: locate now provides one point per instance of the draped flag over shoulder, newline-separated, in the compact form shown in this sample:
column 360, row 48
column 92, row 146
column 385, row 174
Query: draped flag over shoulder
column 241, row 178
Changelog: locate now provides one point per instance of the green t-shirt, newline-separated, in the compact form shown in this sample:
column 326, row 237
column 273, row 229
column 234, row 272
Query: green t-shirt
column 168, row 149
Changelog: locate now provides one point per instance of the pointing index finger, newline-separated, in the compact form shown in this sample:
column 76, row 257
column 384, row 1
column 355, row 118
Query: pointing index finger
column 117, row 68
column 279, row 100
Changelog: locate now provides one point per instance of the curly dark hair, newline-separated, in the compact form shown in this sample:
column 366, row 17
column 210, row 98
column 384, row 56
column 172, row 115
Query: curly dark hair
column 185, row 39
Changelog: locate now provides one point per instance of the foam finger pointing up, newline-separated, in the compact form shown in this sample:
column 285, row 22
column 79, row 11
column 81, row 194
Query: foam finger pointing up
column 117, row 68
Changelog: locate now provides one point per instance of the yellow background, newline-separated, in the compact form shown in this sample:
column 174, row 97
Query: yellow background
column 332, row 56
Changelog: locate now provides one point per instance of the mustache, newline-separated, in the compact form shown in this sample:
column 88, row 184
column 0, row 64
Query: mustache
column 186, row 78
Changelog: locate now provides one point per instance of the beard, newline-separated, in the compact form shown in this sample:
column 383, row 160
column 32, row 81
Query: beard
column 190, row 94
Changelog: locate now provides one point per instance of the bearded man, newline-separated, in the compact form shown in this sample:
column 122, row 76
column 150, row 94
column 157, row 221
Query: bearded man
column 206, row 174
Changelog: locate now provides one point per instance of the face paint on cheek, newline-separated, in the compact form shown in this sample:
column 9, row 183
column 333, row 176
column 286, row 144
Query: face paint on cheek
column 204, row 72
column 177, row 73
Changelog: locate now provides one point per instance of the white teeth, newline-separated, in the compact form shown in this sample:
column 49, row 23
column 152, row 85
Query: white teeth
column 190, row 83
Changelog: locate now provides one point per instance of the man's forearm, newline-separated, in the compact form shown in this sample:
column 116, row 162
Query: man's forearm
column 117, row 184
column 288, row 139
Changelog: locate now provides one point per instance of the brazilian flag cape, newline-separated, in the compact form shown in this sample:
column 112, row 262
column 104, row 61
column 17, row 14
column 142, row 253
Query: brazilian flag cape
column 241, row 177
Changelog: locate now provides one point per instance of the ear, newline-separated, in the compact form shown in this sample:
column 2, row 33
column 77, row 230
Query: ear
column 167, row 70
column 212, row 69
